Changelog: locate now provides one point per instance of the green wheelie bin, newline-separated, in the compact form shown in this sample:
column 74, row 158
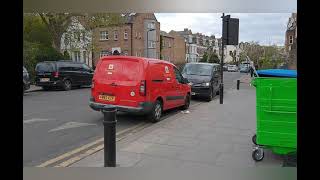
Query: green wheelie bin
column 276, row 112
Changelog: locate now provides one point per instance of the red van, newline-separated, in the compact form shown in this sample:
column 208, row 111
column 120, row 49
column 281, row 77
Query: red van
column 139, row 85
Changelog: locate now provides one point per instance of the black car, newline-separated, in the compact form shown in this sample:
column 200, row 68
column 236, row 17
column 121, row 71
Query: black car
column 26, row 80
column 204, row 78
column 64, row 74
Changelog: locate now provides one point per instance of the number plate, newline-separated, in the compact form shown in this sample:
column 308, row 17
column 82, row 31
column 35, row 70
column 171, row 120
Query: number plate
column 107, row 98
column 44, row 79
column 193, row 93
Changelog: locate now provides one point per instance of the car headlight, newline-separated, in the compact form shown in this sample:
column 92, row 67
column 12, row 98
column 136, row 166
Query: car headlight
column 205, row 84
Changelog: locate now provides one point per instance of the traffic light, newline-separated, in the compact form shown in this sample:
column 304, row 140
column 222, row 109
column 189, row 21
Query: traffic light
column 230, row 32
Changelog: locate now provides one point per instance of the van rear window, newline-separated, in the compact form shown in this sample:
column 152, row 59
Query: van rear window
column 120, row 70
column 45, row 67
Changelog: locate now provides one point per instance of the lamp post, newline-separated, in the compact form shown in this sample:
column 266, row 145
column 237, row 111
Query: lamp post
column 148, row 41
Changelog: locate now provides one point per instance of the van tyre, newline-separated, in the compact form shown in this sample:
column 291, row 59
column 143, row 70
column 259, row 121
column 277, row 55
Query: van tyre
column 67, row 85
column 156, row 112
column 211, row 95
column 187, row 102
column 258, row 154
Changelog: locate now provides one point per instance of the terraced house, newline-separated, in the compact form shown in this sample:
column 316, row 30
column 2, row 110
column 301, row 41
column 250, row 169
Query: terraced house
column 138, row 36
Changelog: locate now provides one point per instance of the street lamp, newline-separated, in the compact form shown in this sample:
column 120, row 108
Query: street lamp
column 148, row 41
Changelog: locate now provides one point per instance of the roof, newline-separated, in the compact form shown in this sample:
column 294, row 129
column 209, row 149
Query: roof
column 277, row 73
column 135, row 58
column 212, row 64
column 163, row 33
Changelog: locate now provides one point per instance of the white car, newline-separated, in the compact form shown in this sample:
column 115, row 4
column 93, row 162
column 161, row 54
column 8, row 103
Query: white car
column 232, row 68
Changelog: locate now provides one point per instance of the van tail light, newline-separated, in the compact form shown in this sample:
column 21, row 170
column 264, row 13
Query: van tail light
column 56, row 74
column 142, row 91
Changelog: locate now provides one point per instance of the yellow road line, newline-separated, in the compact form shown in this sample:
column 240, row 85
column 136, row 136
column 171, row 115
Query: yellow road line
column 84, row 147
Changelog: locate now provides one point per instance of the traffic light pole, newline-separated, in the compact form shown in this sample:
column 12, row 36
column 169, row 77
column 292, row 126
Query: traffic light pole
column 221, row 64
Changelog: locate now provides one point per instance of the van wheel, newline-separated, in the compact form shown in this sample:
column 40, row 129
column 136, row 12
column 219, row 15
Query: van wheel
column 156, row 113
column 210, row 97
column 67, row 85
column 187, row 102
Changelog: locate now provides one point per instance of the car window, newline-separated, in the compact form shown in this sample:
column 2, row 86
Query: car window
column 45, row 67
column 198, row 69
column 65, row 67
column 178, row 75
column 85, row 67
column 77, row 67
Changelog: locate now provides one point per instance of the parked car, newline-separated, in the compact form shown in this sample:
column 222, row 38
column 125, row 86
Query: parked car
column 225, row 68
column 232, row 68
column 205, row 79
column 139, row 85
column 63, row 74
column 244, row 69
column 26, row 80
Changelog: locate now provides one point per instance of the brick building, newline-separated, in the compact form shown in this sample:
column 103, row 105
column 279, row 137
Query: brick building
column 138, row 36
column 291, row 42
column 167, row 49
column 180, row 48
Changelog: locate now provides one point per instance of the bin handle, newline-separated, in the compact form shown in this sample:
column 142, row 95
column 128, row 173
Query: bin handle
column 284, row 112
column 270, row 99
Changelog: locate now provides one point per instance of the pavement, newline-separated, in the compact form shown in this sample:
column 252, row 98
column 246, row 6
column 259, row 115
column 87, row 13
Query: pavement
column 211, row 135
column 34, row 88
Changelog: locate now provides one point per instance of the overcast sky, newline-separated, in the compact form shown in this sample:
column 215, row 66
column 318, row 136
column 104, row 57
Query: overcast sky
column 266, row 28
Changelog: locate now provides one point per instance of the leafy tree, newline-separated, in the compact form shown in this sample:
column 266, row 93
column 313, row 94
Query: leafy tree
column 204, row 57
column 214, row 58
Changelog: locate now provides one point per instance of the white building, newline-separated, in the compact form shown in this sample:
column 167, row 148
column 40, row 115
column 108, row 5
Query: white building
column 227, row 53
column 77, row 42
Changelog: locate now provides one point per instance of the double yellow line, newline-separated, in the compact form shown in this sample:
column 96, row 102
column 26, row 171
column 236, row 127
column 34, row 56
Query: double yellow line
column 91, row 148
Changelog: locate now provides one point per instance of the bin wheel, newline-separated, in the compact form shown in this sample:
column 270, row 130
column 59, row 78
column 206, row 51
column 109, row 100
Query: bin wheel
column 254, row 139
column 258, row 154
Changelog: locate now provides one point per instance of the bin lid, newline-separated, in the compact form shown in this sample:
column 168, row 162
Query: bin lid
column 277, row 73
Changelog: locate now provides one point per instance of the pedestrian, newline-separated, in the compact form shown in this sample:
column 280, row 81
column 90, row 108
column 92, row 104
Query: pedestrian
column 251, row 71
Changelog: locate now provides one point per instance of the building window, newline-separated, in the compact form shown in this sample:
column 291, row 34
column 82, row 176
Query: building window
column 151, row 25
column 104, row 35
column 290, row 39
column 136, row 35
column 125, row 35
column 152, row 44
column 163, row 42
column 103, row 53
column 139, row 35
column 76, row 56
column 115, row 35
column 169, row 44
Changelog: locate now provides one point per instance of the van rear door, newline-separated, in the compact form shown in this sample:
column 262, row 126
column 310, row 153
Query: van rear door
column 118, row 82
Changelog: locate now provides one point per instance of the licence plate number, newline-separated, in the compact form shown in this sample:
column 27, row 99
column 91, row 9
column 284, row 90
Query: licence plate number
column 107, row 98
column 44, row 79
column 193, row 93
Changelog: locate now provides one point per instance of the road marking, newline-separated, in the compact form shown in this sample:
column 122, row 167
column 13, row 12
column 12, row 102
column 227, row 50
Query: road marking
column 70, row 125
column 29, row 121
column 70, row 153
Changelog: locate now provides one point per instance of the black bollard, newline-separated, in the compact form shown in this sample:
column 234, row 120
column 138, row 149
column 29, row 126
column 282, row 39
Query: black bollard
column 109, row 123
column 221, row 93
column 238, row 84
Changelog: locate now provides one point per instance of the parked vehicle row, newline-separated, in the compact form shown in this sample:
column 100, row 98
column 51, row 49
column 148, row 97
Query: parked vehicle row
column 132, row 84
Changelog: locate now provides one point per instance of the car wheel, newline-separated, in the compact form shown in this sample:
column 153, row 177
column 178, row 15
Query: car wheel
column 258, row 154
column 156, row 112
column 211, row 94
column 187, row 102
column 67, row 85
